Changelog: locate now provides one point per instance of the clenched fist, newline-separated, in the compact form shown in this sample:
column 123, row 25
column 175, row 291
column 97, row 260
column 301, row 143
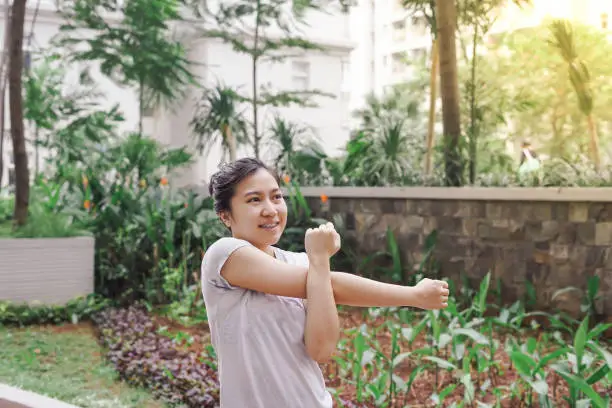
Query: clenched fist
column 323, row 241
column 432, row 294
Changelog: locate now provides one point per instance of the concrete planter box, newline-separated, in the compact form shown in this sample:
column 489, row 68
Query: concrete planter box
column 46, row 270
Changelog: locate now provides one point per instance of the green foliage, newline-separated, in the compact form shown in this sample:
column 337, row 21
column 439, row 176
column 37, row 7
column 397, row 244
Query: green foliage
column 578, row 72
column 47, row 218
column 78, row 309
column 218, row 118
column 543, row 106
column 149, row 235
column 296, row 152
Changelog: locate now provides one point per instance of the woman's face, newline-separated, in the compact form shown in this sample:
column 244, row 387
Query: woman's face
column 258, row 211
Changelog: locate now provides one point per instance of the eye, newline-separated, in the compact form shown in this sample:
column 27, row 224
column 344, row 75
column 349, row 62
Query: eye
column 252, row 199
column 278, row 196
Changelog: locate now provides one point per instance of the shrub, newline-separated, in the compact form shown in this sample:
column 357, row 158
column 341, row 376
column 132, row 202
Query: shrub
column 145, row 358
column 82, row 308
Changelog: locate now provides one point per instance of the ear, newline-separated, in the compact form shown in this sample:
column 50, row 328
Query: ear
column 225, row 219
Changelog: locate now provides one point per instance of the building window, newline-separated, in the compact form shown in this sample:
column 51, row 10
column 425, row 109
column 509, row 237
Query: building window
column 399, row 31
column 148, row 111
column 398, row 62
column 301, row 75
column 418, row 54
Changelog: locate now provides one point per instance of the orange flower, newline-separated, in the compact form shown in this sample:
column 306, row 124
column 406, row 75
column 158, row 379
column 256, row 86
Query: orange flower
column 324, row 198
column 87, row 204
column 286, row 179
column 164, row 181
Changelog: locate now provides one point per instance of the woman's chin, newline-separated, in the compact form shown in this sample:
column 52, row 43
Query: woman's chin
column 271, row 237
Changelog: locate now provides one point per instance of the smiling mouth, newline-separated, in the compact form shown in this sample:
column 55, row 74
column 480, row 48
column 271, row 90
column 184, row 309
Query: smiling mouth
column 269, row 226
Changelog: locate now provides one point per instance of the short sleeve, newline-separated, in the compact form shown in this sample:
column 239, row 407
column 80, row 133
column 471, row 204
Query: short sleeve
column 215, row 258
column 303, row 260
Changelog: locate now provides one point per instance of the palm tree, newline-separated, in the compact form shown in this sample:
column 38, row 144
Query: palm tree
column 578, row 72
column 392, row 154
column 296, row 151
column 218, row 119
column 402, row 102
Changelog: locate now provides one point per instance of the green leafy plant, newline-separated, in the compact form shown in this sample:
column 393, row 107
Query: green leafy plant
column 78, row 309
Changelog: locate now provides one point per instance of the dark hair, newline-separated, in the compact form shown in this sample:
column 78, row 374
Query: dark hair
column 223, row 183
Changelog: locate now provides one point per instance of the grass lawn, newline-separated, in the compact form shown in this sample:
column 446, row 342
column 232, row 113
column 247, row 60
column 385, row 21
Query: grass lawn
column 65, row 363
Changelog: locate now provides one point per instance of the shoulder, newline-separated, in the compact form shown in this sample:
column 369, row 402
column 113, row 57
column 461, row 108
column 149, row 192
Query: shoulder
column 225, row 245
column 217, row 254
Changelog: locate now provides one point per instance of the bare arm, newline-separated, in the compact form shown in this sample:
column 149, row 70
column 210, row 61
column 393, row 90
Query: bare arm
column 353, row 290
column 252, row 269
column 322, row 324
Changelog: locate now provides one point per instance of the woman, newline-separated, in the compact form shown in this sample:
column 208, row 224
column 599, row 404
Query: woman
column 272, row 313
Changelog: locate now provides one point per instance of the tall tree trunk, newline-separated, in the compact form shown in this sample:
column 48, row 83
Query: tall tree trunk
column 433, row 87
column 3, row 76
column 22, row 187
column 446, row 15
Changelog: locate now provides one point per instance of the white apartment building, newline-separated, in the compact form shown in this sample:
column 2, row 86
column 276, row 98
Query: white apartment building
column 216, row 62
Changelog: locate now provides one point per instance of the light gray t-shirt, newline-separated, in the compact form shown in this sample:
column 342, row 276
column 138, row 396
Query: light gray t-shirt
column 259, row 339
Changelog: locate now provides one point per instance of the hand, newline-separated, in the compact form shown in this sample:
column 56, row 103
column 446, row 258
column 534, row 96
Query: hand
column 323, row 241
column 432, row 294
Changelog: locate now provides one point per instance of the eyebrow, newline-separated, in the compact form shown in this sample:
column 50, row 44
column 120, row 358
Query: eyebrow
column 255, row 192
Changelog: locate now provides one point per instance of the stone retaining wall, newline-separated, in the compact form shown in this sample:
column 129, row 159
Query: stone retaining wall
column 553, row 238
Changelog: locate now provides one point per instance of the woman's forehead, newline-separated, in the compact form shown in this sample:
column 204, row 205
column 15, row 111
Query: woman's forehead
column 260, row 181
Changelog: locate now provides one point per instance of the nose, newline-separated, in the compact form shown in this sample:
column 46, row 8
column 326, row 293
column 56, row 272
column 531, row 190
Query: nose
column 268, row 209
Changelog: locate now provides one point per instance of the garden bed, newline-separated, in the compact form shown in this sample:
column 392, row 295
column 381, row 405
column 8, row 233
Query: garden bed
column 178, row 363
